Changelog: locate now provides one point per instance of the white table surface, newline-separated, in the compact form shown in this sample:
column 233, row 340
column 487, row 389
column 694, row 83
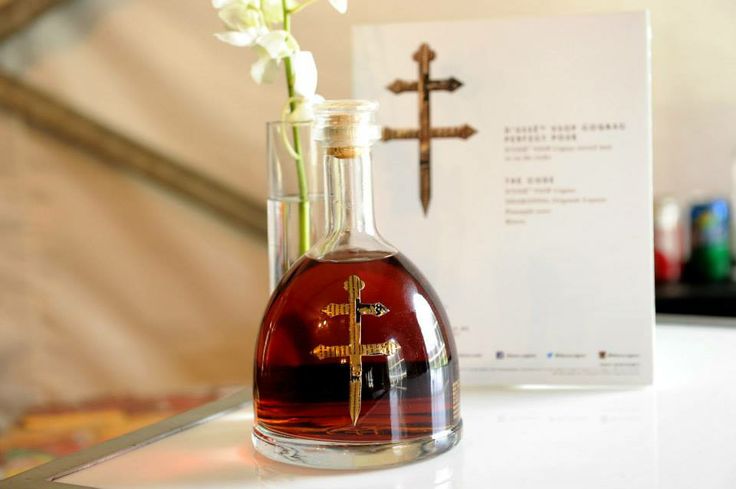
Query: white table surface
column 679, row 433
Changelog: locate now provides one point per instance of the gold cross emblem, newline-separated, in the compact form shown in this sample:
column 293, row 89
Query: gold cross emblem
column 355, row 351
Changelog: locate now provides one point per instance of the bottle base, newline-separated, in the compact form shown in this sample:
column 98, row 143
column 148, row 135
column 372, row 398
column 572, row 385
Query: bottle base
column 322, row 454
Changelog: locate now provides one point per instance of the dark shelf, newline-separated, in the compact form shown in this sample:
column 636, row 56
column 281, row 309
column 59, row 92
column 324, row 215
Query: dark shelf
column 718, row 299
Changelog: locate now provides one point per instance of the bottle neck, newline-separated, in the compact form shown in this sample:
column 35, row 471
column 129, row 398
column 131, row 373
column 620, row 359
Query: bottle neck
column 350, row 194
column 351, row 231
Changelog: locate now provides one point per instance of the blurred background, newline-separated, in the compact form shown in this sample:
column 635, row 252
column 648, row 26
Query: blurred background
column 133, row 258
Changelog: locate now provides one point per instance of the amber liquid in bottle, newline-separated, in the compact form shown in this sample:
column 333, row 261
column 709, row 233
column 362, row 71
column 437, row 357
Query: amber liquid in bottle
column 409, row 394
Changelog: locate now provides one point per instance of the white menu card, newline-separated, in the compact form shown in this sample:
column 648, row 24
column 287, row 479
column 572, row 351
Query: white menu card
column 538, row 236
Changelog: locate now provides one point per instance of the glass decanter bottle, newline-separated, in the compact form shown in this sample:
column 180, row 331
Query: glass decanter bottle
column 355, row 364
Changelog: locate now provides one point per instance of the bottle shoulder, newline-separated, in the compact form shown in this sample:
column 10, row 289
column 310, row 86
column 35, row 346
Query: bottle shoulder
column 347, row 245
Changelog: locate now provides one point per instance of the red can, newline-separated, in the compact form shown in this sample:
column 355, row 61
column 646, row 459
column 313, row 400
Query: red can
column 668, row 240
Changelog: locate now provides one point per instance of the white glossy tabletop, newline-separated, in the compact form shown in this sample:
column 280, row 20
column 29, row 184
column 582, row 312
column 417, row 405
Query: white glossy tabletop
column 680, row 433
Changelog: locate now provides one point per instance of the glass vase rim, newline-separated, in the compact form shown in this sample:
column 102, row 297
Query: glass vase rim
column 290, row 123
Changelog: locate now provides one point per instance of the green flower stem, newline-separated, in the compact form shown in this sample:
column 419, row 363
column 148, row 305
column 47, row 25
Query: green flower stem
column 299, row 160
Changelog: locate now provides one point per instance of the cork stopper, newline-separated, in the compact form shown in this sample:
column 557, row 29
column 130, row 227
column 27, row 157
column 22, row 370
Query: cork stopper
column 346, row 128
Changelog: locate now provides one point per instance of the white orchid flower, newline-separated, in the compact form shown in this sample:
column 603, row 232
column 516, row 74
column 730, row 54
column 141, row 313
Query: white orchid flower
column 265, row 69
column 273, row 10
column 218, row 4
column 278, row 44
column 241, row 38
column 272, row 47
column 340, row 5
column 305, row 86
column 241, row 15
column 243, row 18
column 248, row 22
column 305, row 74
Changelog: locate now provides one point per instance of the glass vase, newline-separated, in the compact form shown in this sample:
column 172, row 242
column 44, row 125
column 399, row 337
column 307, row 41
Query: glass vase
column 296, row 210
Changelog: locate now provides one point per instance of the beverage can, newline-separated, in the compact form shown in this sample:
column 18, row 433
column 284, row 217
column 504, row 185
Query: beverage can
column 710, row 256
column 668, row 240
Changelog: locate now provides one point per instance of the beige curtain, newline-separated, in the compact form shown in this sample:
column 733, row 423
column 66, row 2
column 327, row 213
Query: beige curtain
column 111, row 286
